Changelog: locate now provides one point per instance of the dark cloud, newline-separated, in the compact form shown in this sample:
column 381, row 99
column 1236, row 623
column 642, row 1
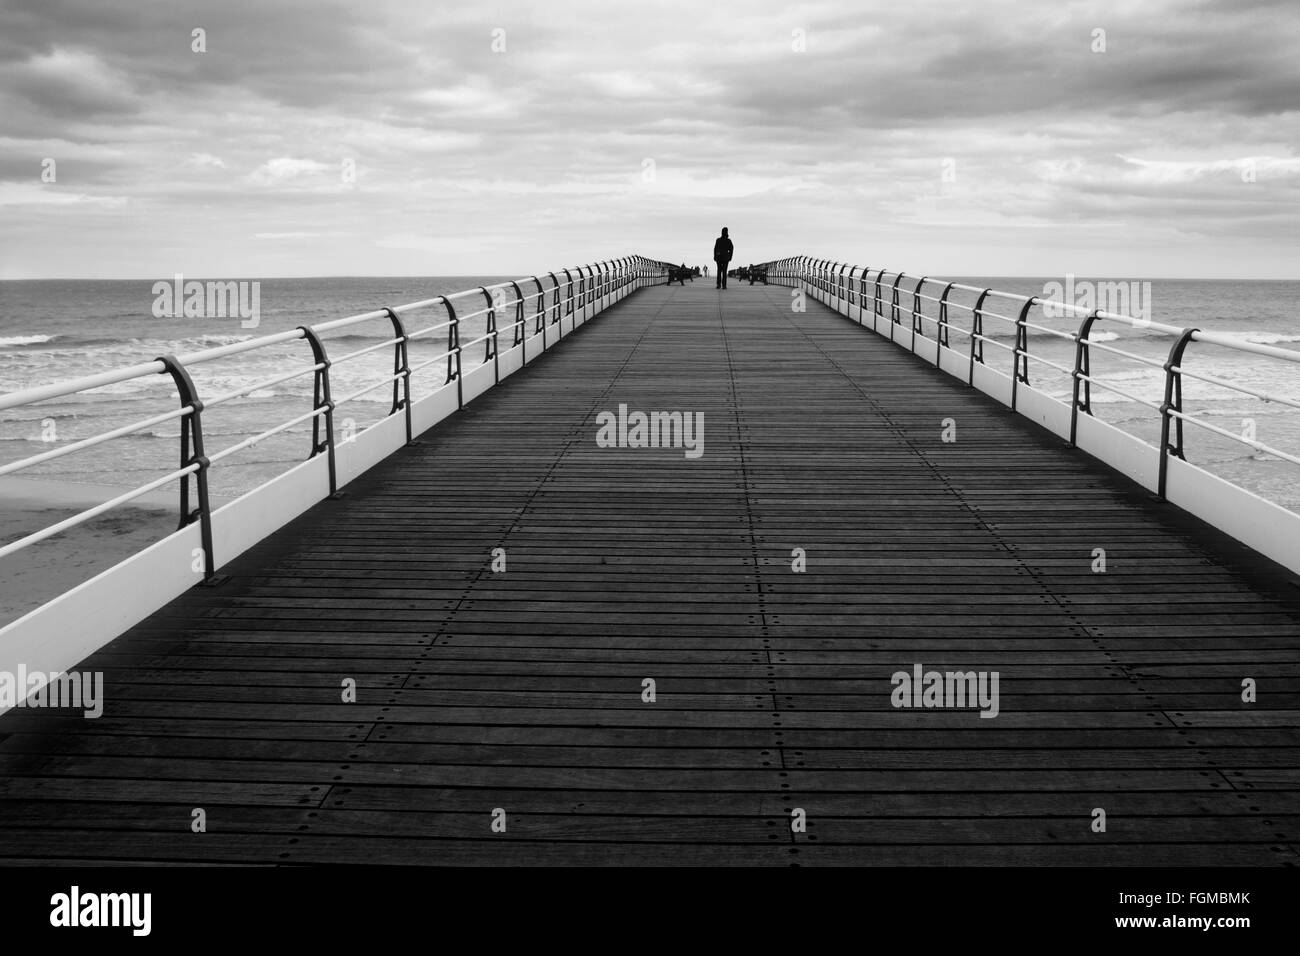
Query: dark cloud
column 543, row 146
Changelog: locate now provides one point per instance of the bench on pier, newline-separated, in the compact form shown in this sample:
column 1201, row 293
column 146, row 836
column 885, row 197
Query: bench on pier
column 680, row 274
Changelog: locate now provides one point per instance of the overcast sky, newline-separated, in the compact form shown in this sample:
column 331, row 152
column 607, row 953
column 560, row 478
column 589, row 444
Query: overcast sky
column 949, row 138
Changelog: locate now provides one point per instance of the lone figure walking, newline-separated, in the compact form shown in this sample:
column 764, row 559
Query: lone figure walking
column 722, row 252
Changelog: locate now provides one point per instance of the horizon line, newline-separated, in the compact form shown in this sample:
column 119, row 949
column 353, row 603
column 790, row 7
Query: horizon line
column 517, row 275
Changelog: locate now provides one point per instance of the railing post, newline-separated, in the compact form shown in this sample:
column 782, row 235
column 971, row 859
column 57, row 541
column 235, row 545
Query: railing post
column 518, row 337
column 192, row 454
column 402, row 366
column 878, row 305
column 568, row 296
column 1081, row 399
column 321, row 399
column 1021, row 353
column 942, row 332
column 540, row 317
column 491, row 343
column 916, row 310
column 453, row 352
column 555, row 301
column 1172, row 407
column 976, row 336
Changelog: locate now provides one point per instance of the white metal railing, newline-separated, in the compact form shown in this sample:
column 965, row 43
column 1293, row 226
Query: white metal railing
column 882, row 292
column 568, row 291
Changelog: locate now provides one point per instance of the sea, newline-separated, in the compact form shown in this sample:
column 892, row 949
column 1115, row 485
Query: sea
column 54, row 330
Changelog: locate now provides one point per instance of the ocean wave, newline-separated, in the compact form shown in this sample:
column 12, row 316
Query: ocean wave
column 17, row 341
column 135, row 386
column 32, row 413
column 69, row 356
column 213, row 340
column 1269, row 338
column 1235, row 413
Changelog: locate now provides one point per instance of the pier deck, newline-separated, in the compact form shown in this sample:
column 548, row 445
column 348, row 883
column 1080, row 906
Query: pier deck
column 522, row 690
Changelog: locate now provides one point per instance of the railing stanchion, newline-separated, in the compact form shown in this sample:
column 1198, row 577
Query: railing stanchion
column 916, row 311
column 453, row 352
column 941, row 333
column 555, row 302
column 1171, row 409
column 1020, row 372
column 401, row 367
column 321, row 400
column 192, row 454
column 539, row 324
column 519, row 337
column 977, row 336
column 491, row 340
column 1081, row 392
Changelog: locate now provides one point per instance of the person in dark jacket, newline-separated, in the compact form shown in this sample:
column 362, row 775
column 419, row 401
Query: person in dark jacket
column 722, row 252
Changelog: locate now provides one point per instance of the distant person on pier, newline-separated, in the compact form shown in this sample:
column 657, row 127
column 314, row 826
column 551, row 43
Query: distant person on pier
column 706, row 272
column 722, row 252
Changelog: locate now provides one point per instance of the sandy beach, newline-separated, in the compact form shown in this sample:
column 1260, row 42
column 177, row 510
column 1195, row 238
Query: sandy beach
column 45, row 570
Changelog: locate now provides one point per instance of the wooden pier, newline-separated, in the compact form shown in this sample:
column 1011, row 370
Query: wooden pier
column 523, row 691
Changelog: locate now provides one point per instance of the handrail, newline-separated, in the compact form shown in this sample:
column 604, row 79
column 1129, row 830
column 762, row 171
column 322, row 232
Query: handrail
column 587, row 286
column 884, row 302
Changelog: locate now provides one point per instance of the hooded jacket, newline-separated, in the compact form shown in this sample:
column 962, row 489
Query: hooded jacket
column 722, row 248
